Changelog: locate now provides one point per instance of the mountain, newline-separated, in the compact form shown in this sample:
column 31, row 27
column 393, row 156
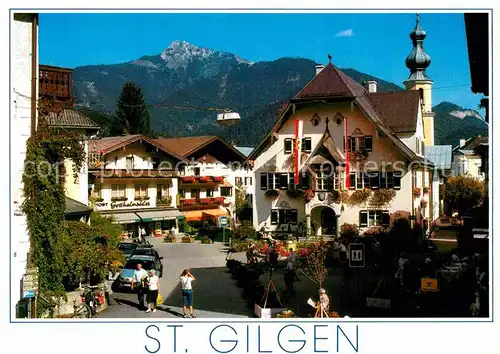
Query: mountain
column 190, row 76
column 453, row 123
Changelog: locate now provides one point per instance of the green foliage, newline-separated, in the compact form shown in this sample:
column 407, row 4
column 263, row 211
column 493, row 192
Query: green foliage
column 381, row 197
column 132, row 116
column 243, row 231
column 358, row 197
column 272, row 194
column 106, row 225
column 240, row 197
column 349, row 231
column 463, row 193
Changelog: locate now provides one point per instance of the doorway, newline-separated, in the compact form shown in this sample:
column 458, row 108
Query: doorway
column 328, row 222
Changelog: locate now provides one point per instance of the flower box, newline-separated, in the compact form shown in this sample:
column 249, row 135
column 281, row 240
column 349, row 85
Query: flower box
column 188, row 201
column 188, row 179
column 164, row 201
column 169, row 239
column 187, row 239
column 218, row 200
column 205, row 200
column 204, row 179
column 118, row 199
column 218, row 179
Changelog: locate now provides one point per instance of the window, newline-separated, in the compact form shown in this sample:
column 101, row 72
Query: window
column 210, row 192
column 270, row 180
column 321, row 181
column 130, row 162
column 96, row 192
column 306, row 144
column 226, row 191
column 141, row 190
column 358, row 143
column 422, row 148
column 277, row 180
column 288, row 145
column 162, row 190
column 414, row 179
column 263, row 181
column 248, row 181
column 359, row 180
column 291, row 181
column 368, row 142
column 118, row 191
column 196, row 171
column 195, row 193
column 238, row 181
column 371, row 218
column 397, row 180
column 284, row 216
column 182, row 193
column 284, row 180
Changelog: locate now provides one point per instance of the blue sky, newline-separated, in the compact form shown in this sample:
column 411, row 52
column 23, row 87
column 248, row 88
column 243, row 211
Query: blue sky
column 376, row 44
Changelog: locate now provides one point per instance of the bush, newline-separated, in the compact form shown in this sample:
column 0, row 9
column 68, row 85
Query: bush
column 243, row 231
column 349, row 231
column 463, row 193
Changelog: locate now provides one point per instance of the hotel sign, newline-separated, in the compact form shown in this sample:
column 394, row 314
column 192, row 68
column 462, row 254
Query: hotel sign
column 131, row 204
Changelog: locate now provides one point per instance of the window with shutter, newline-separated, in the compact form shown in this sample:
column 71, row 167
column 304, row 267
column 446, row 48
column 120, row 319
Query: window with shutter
column 383, row 179
column 304, row 181
column 374, row 180
column 284, row 181
column 349, row 144
column 368, row 143
column 282, row 216
column 353, row 143
column 386, row 219
column 274, row 217
column 397, row 180
column 366, row 180
column 352, row 180
column 390, row 180
column 288, row 146
column 306, row 144
column 362, row 143
column 291, row 181
column 292, row 217
column 329, row 183
column 363, row 218
column 270, row 181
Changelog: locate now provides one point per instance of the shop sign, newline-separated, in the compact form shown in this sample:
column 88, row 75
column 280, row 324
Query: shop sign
column 118, row 205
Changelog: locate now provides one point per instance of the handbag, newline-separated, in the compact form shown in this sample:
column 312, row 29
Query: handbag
column 159, row 300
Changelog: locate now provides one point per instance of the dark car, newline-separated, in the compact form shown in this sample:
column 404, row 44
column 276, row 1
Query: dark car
column 150, row 252
column 127, row 249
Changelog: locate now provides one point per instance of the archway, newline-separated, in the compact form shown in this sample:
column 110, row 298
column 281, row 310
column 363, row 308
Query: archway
column 324, row 221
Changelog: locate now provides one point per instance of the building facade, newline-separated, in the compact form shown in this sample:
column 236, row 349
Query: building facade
column 208, row 183
column 466, row 161
column 23, row 120
column 343, row 153
column 134, row 181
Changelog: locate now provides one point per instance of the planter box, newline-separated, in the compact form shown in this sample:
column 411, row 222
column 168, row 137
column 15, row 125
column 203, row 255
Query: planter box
column 169, row 240
column 187, row 240
column 267, row 312
column 207, row 242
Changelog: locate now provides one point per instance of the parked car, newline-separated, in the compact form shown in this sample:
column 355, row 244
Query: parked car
column 127, row 249
column 148, row 263
column 150, row 252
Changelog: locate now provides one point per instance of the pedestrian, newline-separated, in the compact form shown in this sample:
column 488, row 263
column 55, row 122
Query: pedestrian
column 153, row 283
column 324, row 303
column 343, row 253
column 138, row 279
column 187, row 292
column 273, row 255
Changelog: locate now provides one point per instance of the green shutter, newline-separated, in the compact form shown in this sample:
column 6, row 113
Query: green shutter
column 368, row 143
column 363, row 218
column 352, row 178
column 288, row 146
column 274, row 217
column 263, row 181
column 386, row 218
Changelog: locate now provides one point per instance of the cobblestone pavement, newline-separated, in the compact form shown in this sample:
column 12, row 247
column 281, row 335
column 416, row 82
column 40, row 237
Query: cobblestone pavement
column 215, row 293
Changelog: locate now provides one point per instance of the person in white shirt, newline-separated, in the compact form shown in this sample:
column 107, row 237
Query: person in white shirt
column 153, row 283
column 137, row 283
column 187, row 292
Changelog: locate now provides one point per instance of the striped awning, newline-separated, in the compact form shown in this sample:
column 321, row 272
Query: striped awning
column 193, row 215
column 214, row 213
column 158, row 215
column 124, row 218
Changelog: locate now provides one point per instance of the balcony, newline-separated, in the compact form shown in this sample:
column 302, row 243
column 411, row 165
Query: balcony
column 201, row 203
column 55, row 82
column 201, row 180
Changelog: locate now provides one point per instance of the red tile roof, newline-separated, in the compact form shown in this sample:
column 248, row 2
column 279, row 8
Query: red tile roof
column 330, row 82
column 185, row 145
column 398, row 110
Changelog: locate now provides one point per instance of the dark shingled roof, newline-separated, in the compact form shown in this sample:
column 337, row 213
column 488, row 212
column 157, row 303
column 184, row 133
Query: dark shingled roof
column 398, row 110
column 69, row 118
column 75, row 207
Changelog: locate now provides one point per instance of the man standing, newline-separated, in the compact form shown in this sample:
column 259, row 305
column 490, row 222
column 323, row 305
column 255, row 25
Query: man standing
column 138, row 284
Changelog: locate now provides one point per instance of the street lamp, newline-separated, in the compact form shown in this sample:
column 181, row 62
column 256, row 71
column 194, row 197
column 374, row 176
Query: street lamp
column 228, row 118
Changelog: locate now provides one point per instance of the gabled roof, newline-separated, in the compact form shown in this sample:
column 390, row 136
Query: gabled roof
column 330, row 82
column 439, row 155
column 70, row 118
column 112, row 143
column 188, row 145
column 329, row 145
column 471, row 144
column 398, row 110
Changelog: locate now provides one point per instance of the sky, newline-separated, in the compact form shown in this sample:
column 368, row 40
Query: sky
column 376, row 44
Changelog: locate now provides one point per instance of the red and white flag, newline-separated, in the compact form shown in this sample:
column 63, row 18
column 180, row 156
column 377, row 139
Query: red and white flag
column 298, row 147
column 347, row 177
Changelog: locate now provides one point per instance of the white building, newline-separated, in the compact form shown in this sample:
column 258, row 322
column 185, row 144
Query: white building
column 466, row 162
column 214, row 157
column 24, row 71
column 386, row 137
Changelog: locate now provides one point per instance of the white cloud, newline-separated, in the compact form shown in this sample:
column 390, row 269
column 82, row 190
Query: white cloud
column 345, row 33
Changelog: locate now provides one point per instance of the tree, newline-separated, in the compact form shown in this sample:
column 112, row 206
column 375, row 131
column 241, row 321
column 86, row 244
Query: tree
column 314, row 267
column 240, row 197
column 463, row 193
column 132, row 116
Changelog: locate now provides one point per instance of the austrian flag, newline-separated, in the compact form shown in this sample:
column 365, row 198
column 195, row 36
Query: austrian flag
column 298, row 147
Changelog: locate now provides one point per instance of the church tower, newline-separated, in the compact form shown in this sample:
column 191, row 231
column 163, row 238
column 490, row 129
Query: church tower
column 418, row 61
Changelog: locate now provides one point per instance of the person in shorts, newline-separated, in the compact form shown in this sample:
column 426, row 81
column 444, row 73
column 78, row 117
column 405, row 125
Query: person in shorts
column 153, row 284
column 186, row 279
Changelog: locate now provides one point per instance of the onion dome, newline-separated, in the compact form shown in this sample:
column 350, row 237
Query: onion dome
column 418, row 60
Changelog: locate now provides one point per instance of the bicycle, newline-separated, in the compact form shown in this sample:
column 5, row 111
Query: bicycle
column 92, row 300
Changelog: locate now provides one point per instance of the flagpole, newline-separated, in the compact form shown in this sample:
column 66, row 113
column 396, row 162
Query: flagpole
column 347, row 177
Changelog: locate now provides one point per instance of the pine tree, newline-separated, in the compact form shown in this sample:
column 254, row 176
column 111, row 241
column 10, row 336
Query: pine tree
column 132, row 116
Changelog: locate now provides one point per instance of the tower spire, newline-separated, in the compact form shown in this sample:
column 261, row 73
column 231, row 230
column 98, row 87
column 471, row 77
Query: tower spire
column 418, row 60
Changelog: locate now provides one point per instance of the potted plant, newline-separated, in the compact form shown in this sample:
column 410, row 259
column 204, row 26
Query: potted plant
column 272, row 194
column 205, row 200
column 186, row 239
column 206, row 240
column 219, row 200
column 417, row 192
column 169, row 238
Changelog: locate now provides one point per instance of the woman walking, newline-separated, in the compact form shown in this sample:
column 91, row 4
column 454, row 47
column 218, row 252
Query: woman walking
column 153, row 288
column 187, row 292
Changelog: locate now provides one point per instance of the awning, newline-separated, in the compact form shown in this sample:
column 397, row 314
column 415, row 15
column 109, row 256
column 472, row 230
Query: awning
column 124, row 218
column 194, row 215
column 158, row 215
column 214, row 213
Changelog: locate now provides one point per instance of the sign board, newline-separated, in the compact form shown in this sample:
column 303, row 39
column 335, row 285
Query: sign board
column 357, row 255
column 223, row 221
column 378, row 303
column 30, row 281
column 428, row 284
column 28, row 294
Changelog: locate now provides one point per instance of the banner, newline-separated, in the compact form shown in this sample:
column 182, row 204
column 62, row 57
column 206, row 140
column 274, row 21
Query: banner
column 298, row 147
